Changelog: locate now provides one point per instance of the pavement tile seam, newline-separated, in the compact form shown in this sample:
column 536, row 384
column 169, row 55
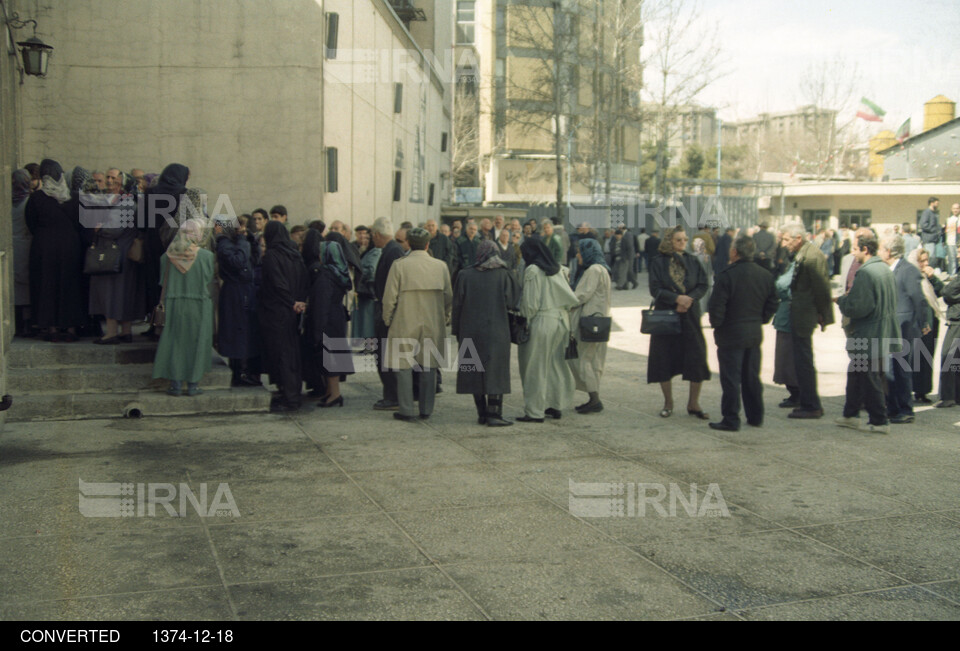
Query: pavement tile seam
column 838, row 523
column 216, row 559
column 848, row 480
column 110, row 595
column 743, row 612
column 402, row 530
column 334, row 575
column 931, row 588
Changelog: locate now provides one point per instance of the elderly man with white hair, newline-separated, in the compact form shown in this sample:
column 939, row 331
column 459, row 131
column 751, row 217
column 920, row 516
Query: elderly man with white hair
column 910, row 316
column 812, row 306
column 382, row 234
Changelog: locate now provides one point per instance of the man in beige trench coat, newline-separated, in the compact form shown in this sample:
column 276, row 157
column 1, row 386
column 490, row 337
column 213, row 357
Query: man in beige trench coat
column 416, row 307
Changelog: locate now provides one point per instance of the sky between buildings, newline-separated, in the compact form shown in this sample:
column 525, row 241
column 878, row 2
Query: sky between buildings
column 906, row 52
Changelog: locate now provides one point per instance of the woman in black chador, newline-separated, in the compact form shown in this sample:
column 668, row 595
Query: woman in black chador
column 280, row 302
column 56, row 256
column 327, row 317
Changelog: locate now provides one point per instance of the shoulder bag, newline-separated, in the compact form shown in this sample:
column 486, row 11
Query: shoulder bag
column 519, row 328
column 660, row 322
column 159, row 316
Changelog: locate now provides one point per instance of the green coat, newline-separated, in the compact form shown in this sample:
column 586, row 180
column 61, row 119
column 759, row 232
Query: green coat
column 185, row 352
column 871, row 307
column 811, row 292
column 556, row 248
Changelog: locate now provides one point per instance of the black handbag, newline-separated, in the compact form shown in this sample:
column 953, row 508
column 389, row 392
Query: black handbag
column 660, row 322
column 519, row 328
column 103, row 259
column 572, row 351
column 595, row 328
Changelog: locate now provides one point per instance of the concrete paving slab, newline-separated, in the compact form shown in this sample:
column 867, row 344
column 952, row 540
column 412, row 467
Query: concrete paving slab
column 924, row 487
column 900, row 604
column 188, row 604
column 920, row 548
column 603, row 584
column 765, row 568
column 304, row 548
column 417, row 594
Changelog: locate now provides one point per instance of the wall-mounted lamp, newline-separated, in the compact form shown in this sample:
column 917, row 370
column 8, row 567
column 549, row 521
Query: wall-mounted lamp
column 35, row 53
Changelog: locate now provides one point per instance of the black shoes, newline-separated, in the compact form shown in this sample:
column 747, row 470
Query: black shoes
column 326, row 404
column 806, row 414
column 386, row 405
column 905, row 419
column 588, row 408
column 789, row 404
column 724, row 427
column 406, row 419
column 555, row 414
column 527, row 419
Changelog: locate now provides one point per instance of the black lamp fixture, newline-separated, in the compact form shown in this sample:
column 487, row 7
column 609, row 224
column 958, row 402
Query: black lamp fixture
column 35, row 53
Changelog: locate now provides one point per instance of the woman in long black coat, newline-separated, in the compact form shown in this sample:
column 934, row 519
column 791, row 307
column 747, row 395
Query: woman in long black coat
column 238, row 337
column 56, row 255
column 678, row 282
column 327, row 316
column 481, row 298
column 280, row 302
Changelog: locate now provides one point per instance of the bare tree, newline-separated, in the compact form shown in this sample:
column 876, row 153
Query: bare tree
column 829, row 89
column 683, row 59
column 540, row 90
column 465, row 148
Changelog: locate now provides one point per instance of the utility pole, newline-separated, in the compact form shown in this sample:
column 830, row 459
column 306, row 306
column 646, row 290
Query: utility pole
column 719, row 152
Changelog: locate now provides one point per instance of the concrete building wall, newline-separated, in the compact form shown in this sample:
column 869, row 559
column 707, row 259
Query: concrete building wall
column 10, row 160
column 230, row 88
column 372, row 140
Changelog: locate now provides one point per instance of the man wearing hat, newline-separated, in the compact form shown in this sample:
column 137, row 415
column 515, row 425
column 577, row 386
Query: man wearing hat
column 416, row 307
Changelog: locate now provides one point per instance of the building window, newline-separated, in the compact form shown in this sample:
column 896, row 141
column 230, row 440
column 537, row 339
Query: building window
column 433, row 188
column 848, row 218
column 468, row 79
column 397, row 177
column 333, row 24
column 443, row 142
column 398, row 98
column 331, row 169
column 466, row 22
column 814, row 220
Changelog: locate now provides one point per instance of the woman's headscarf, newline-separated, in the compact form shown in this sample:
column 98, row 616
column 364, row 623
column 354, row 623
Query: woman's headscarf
column 535, row 252
column 488, row 256
column 173, row 180
column 666, row 244
column 277, row 237
column 54, row 183
column 333, row 260
column 591, row 253
column 80, row 180
column 183, row 250
column 21, row 181
column 229, row 226
column 347, row 250
column 312, row 248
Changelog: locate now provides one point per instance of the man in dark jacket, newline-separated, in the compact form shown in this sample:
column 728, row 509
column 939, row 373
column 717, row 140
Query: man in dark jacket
column 383, row 238
column 929, row 227
column 911, row 306
column 652, row 247
column 441, row 248
column 722, row 257
column 871, row 307
column 467, row 246
column 812, row 306
column 743, row 299
column 766, row 246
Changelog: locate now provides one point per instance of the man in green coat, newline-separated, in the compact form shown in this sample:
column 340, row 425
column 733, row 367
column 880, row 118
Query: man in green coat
column 872, row 334
column 811, row 307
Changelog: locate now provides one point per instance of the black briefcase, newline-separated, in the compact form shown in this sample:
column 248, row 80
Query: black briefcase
column 595, row 328
column 103, row 259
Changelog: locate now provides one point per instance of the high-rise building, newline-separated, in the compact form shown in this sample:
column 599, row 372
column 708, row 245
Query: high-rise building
column 530, row 71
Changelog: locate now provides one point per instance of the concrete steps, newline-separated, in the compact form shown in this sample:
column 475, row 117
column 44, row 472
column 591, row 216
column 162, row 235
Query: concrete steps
column 84, row 381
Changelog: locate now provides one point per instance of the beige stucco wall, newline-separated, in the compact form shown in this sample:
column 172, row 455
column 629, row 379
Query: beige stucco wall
column 230, row 88
column 373, row 55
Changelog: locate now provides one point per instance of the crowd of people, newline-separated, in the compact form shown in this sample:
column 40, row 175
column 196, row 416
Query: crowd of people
column 275, row 298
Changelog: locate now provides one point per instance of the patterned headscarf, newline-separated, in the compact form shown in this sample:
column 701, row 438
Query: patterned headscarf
column 80, row 180
column 54, row 182
column 22, row 181
column 183, row 250
column 488, row 256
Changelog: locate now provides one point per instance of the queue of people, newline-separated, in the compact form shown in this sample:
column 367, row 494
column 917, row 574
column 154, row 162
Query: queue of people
column 292, row 302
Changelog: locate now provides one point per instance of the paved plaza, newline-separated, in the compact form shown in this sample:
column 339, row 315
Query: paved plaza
column 348, row 514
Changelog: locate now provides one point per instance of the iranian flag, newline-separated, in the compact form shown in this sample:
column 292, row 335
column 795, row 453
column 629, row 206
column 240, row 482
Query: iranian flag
column 870, row 111
column 904, row 131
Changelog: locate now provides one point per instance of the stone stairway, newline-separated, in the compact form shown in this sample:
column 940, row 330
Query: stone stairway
column 58, row 381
